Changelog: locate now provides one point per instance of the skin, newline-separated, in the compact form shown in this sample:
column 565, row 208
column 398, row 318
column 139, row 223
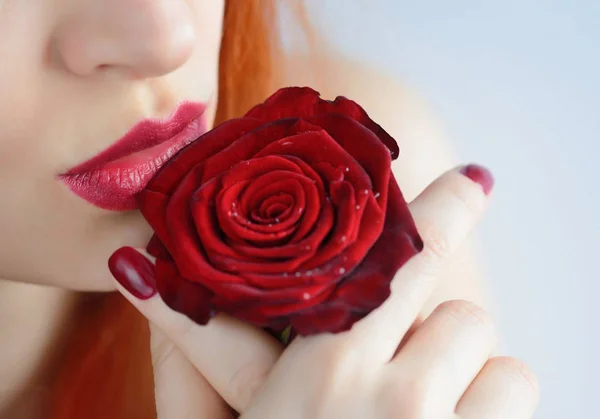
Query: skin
column 382, row 368
column 80, row 74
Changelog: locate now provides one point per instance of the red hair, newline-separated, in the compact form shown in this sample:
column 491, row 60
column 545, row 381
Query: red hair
column 105, row 370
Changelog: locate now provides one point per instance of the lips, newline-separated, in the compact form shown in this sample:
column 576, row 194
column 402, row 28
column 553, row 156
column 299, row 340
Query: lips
column 111, row 179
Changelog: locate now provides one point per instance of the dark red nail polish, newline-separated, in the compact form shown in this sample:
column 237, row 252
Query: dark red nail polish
column 480, row 175
column 134, row 272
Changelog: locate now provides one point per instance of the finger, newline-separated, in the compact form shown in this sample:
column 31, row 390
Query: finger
column 448, row 350
column 444, row 213
column 505, row 388
column 181, row 392
column 234, row 357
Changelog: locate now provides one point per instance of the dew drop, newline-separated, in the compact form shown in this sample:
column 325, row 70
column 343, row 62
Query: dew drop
column 285, row 274
column 366, row 192
column 235, row 214
column 377, row 195
column 306, row 296
column 347, row 169
column 270, row 225
column 297, row 274
column 277, row 220
column 343, row 239
column 308, row 273
column 300, row 210
column 307, row 247
column 342, row 271
column 358, row 207
column 229, row 213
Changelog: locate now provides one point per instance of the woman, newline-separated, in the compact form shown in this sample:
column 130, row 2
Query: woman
column 77, row 76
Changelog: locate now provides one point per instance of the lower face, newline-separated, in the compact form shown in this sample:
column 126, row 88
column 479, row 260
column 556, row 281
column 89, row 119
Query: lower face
column 95, row 97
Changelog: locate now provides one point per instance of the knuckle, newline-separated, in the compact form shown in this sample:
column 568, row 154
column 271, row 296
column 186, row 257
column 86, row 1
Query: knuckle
column 467, row 312
column 404, row 398
column 436, row 242
column 161, row 352
column 446, row 212
column 518, row 371
column 465, row 195
column 247, row 382
column 182, row 329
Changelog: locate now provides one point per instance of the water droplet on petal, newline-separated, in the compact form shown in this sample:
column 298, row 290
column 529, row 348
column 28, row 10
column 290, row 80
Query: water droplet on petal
column 358, row 207
column 347, row 169
column 270, row 225
column 377, row 195
column 342, row 271
column 306, row 296
column 277, row 220
column 307, row 247
column 308, row 273
column 343, row 239
column 366, row 192
column 300, row 210
column 229, row 213
column 297, row 274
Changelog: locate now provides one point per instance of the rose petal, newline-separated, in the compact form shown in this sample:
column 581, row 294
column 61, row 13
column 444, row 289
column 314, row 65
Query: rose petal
column 153, row 206
column 364, row 147
column 368, row 286
column 248, row 145
column 185, row 246
column 303, row 102
column 181, row 295
column 209, row 231
column 327, row 317
column 157, row 249
column 209, row 144
column 345, row 230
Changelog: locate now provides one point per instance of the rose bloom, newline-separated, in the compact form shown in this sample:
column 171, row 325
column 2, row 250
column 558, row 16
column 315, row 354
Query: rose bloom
column 289, row 216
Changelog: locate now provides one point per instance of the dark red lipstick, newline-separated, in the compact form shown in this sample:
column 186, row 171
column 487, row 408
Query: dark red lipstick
column 111, row 179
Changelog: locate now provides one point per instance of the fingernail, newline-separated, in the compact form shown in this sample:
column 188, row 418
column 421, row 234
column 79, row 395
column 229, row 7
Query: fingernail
column 480, row 175
column 134, row 272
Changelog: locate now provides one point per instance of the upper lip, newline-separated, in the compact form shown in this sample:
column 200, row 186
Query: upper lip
column 145, row 134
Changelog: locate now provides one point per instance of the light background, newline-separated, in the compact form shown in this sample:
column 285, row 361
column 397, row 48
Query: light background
column 516, row 86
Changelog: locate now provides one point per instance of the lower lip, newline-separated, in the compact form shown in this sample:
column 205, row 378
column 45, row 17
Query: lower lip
column 114, row 186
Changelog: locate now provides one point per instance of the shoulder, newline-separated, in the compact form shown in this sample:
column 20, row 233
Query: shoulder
column 425, row 152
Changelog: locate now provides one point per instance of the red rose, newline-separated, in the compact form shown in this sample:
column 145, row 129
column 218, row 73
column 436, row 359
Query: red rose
column 287, row 216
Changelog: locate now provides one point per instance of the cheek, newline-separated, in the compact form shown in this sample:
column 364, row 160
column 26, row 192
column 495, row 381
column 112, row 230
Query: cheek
column 200, row 75
column 22, row 40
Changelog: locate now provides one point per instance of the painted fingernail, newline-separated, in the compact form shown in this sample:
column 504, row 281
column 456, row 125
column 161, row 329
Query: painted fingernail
column 134, row 272
column 480, row 175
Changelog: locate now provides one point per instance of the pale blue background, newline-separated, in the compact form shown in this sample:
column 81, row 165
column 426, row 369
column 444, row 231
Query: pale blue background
column 516, row 85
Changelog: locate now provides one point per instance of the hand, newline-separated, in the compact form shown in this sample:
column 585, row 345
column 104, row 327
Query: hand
column 387, row 366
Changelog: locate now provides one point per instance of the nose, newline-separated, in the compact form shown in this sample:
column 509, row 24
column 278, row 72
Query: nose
column 144, row 38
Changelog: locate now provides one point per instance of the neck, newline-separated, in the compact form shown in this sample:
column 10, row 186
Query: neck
column 32, row 319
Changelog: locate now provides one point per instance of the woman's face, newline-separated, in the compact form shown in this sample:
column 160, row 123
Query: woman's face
column 77, row 80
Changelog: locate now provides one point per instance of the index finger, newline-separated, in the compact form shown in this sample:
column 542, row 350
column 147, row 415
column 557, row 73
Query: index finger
column 233, row 356
column 444, row 213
